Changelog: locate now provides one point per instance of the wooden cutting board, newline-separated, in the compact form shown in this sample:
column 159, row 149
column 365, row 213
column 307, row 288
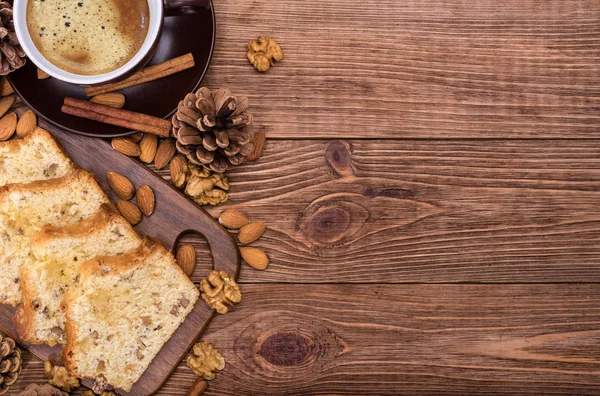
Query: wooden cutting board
column 174, row 216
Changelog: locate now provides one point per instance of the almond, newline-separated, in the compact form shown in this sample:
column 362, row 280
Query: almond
column 255, row 257
column 113, row 99
column 178, row 169
column 186, row 258
column 131, row 212
column 5, row 87
column 145, row 200
column 148, row 146
column 27, row 123
column 8, row 124
column 259, row 142
column 126, row 146
column 232, row 218
column 42, row 75
column 120, row 185
column 251, row 232
column 5, row 104
column 165, row 152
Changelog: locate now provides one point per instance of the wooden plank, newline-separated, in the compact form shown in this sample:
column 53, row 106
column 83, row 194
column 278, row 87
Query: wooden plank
column 423, row 211
column 406, row 339
column 425, row 69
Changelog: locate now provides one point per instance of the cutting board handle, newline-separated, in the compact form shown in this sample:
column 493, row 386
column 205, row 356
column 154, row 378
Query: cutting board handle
column 225, row 253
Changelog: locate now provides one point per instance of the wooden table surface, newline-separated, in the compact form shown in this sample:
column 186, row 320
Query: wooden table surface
column 432, row 190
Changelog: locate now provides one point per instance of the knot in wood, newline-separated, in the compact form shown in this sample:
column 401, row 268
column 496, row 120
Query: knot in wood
column 333, row 219
column 339, row 158
column 286, row 349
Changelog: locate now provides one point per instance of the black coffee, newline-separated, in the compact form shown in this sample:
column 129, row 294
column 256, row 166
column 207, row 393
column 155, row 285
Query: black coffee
column 88, row 37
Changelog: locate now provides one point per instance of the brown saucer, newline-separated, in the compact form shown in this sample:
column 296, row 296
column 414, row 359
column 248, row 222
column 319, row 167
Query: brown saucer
column 181, row 34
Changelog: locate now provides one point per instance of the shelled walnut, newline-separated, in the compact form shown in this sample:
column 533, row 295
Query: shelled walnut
column 263, row 51
column 59, row 377
column 91, row 393
column 205, row 187
column 220, row 290
column 42, row 390
column 205, row 360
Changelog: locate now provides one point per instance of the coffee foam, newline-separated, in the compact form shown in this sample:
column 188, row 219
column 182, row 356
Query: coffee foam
column 88, row 37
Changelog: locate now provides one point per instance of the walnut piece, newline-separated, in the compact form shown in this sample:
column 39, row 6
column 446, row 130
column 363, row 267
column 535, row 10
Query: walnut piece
column 205, row 360
column 220, row 290
column 263, row 51
column 59, row 377
column 42, row 390
column 207, row 189
column 91, row 393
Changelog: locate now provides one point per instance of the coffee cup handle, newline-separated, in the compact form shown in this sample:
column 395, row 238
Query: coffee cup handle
column 178, row 7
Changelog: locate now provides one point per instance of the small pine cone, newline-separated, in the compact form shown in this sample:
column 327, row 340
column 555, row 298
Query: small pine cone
column 12, row 56
column 213, row 129
column 10, row 363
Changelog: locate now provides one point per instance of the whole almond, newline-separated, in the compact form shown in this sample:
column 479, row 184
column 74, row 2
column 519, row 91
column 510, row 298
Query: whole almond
column 131, row 212
column 112, row 99
column 8, row 124
column 148, row 146
column 186, row 258
column 126, row 146
column 251, row 232
column 5, row 87
column 42, row 75
column 255, row 257
column 178, row 169
column 5, row 104
column 136, row 137
column 165, row 152
column 121, row 185
column 27, row 123
column 260, row 140
column 232, row 218
column 145, row 200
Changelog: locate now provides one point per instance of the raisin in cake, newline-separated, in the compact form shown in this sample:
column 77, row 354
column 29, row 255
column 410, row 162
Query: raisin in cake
column 26, row 208
column 123, row 311
column 59, row 254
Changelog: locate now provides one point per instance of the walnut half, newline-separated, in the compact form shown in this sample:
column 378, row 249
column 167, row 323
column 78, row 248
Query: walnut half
column 263, row 51
column 220, row 290
column 59, row 377
column 205, row 360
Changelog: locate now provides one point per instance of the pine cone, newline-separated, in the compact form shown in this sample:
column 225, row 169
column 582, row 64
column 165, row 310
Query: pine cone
column 10, row 363
column 12, row 55
column 213, row 129
column 42, row 390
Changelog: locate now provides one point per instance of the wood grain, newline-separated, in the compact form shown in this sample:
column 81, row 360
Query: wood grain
column 404, row 156
column 423, row 211
column 405, row 339
column 425, row 69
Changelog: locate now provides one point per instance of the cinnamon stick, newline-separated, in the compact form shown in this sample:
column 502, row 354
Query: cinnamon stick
column 147, row 74
column 119, row 117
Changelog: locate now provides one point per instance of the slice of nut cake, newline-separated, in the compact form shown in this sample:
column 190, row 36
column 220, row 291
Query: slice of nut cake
column 26, row 208
column 35, row 157
column 123, row 311
column 59, row 254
